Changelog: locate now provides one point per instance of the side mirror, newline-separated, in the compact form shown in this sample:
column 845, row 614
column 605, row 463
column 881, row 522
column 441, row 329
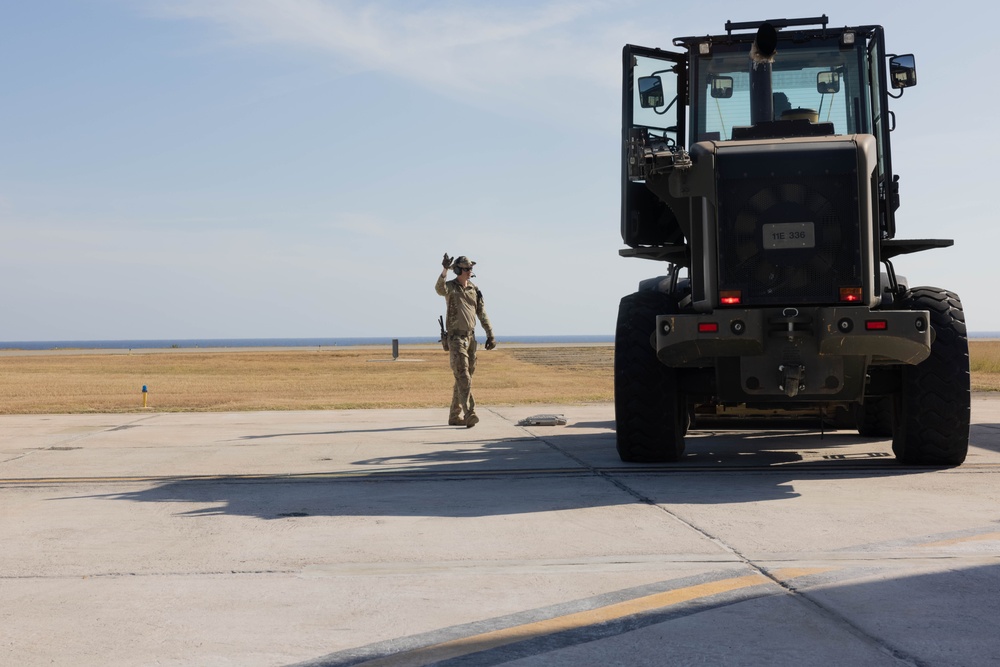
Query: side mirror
column 828, row 83
column 902, row 71
column 722, row 87
column 650, row 92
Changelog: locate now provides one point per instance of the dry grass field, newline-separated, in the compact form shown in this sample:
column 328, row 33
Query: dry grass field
column 203, row 380
column 327, row 378
column 984, row 359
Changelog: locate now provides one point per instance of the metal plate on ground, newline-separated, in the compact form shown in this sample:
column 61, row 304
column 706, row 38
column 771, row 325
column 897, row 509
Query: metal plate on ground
column 543, row 420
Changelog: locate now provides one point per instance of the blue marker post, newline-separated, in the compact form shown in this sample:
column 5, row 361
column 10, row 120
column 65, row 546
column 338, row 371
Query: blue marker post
column 145, row 392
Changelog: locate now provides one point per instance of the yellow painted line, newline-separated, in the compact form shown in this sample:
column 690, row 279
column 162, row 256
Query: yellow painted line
column 985, row 537
column 491, row 640
column 796, row 572
column 486, row 641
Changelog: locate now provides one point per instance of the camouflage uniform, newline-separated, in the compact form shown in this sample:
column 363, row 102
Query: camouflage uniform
column 465, row 304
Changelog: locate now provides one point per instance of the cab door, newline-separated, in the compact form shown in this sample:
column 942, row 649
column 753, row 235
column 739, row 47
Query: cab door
column 881, row 127
column 654, row 110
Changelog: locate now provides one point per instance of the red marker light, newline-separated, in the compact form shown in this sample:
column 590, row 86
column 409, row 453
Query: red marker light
column 850, row 294
column 876, row 325
column 708, row 327
column 731, row 297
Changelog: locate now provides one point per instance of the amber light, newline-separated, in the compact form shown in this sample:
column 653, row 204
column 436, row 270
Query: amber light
column 850, row 294
column 708, row 327
column 876, row 325
column 731, row 297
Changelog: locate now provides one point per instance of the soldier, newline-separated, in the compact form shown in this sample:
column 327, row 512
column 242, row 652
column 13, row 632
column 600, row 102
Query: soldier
column 465, row 304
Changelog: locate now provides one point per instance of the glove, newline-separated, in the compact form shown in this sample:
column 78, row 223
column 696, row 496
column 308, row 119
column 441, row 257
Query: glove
column 447, row 261
column 490, row 342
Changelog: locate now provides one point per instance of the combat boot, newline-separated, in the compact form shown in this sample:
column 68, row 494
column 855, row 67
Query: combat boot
column 456, row 421
column 471, row 420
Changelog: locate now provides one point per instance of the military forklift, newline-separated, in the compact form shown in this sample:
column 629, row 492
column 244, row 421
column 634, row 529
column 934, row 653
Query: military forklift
column 757, row 165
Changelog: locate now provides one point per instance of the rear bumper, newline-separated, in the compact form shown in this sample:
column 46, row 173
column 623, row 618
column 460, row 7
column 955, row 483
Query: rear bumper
column 686, row 340
column 752, row 348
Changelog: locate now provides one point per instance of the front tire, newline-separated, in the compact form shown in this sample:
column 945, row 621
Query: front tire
column 650, row 411
column 933, row 406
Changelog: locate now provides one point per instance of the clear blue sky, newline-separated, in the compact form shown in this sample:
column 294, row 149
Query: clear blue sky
column 296, row 168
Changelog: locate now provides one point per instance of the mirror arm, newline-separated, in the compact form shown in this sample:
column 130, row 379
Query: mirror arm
column 660, row 113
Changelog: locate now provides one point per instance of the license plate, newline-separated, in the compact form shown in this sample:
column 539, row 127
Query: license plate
column 789, row 236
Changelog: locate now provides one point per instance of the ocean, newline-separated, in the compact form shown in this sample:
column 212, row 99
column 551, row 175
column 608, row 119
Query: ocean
column 269, row 342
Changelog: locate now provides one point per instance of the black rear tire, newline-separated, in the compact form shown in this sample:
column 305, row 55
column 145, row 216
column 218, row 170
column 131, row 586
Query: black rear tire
column 933, row 406
column 650, row 411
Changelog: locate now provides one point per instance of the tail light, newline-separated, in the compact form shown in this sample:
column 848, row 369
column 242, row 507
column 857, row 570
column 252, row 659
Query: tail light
column 731, row 297
column 850, row 294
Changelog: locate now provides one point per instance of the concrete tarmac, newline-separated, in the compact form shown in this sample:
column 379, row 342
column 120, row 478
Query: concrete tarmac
column 385, row 537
